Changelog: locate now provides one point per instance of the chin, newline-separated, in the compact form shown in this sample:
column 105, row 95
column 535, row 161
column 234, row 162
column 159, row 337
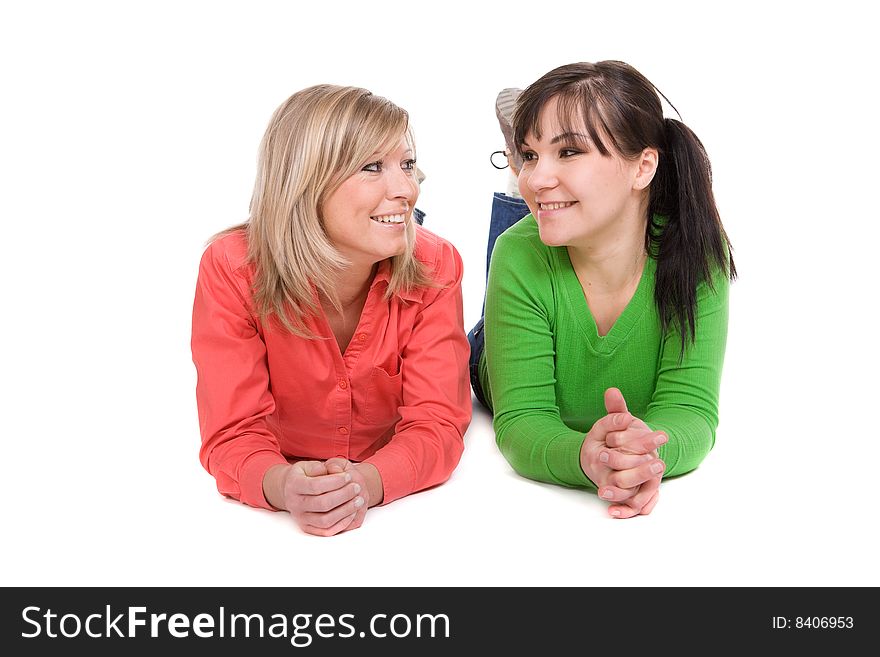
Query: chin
column 391, row 253
column 551, row 237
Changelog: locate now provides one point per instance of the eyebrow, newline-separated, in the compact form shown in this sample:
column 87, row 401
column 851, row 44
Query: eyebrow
column 382, row 156
column 570, row 136
column 565, row 136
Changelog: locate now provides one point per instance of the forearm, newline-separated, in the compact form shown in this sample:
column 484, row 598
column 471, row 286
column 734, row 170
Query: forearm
column 540, row 447
column 239, row 468
column 415, row 459
column 691, row 438
column 435, row 412
column 686, row 396
column 232, row 388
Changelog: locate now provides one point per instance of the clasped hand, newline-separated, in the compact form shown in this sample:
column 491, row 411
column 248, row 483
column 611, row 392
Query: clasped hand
column 326, row 497
column 619, row 455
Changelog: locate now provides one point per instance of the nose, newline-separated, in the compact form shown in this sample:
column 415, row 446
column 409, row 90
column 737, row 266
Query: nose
column 401, row 184
column 541, row 175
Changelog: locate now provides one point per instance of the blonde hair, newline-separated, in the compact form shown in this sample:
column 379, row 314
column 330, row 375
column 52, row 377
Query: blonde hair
column 316, row 139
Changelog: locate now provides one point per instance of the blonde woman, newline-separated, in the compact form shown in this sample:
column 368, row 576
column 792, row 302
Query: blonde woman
column 327, row 329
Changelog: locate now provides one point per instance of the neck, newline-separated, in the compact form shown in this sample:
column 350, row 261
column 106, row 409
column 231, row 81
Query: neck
column 352, row 285
column 610, row 262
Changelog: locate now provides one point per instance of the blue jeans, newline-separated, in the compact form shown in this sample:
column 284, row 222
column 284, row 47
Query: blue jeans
column 477, row 340
column 506, row 211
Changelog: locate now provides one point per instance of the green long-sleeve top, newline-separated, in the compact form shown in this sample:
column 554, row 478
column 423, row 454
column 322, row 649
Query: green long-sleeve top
column 545, row 367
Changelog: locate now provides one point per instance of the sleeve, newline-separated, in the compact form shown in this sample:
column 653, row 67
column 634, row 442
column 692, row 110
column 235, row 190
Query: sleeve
column 429, row 438
column 232, row 389
column 685, row 400
column 520, row 359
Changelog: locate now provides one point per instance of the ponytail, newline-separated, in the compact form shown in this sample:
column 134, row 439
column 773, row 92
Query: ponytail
column 684, row 231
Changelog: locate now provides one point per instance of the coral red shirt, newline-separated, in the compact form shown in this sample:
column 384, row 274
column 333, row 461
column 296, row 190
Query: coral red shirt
column 399, row 397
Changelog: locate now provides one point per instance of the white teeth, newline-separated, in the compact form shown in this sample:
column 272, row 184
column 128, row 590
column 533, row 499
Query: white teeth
column 389, row 218
column 555, row 206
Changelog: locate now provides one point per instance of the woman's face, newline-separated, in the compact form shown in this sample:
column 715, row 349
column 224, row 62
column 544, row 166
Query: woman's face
column 366, row 216
column 576, row 194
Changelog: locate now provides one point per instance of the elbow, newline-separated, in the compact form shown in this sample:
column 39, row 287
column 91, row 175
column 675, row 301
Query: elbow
column 440, row 460
column 227, row 486
column 685, row 452
column 521, row 463
column 450, row 454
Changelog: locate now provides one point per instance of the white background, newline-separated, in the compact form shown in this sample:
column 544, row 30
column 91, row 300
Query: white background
column 128, row 136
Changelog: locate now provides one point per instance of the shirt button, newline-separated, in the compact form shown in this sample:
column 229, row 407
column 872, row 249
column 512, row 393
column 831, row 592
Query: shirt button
column 343, row 384
column 343, row 430
column 362, row 337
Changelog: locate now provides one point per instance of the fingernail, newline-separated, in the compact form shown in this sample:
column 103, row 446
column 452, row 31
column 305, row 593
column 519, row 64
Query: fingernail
column 615, row 513
column 347, row 477
column 607, row 495
column 604, row 457
column 357, row 489
column 657, row 467
column 621, row 420
column 661, row 440
column 359, row 501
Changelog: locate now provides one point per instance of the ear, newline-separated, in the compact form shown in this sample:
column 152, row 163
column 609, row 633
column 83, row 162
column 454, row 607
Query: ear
column 648, row 161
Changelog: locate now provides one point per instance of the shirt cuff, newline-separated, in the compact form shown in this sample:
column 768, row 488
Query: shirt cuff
column 397, row 473
column 250, row 480
column 564, row 460
column 669, row 452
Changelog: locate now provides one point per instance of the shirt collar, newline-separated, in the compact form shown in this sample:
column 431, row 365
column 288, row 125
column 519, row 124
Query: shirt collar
column 383, row 277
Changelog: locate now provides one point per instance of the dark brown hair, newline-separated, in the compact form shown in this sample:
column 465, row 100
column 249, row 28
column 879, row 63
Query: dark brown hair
column 621, row 110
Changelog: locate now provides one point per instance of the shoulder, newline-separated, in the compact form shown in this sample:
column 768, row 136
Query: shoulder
column 229, row 251
column 714, row 292
column 524, row 229
column 439, row 255
column 520, row 248
column 522, row 238
column 523, row 267
column 225, row 265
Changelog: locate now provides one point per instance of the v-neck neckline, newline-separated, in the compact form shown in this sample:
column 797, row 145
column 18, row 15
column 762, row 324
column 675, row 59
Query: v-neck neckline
column 361, row 328
column 625, row 322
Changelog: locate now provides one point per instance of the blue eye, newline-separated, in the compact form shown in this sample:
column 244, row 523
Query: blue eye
column 374, row 167
column 409, row 165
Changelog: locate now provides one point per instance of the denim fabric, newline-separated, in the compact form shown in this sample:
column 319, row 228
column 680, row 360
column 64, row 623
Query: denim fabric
column 506, row 211
column 476, row 339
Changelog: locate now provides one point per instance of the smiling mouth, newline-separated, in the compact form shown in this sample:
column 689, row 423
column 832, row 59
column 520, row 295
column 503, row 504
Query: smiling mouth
column 555, row 206
column 389, row 218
